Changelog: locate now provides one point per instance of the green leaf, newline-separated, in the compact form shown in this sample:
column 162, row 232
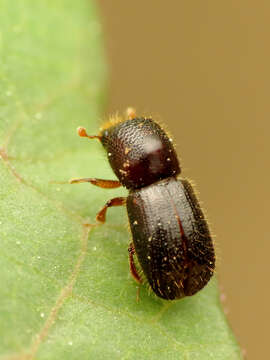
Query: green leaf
column 66, row 291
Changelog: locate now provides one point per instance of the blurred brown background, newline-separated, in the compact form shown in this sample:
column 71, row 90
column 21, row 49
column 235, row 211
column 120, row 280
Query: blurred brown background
column 204, row 68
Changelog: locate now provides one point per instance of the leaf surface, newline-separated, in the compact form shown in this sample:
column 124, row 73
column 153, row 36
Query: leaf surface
column 66, row 291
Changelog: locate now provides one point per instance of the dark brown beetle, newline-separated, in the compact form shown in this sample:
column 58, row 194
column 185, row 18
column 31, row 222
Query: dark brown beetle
column 170, row 234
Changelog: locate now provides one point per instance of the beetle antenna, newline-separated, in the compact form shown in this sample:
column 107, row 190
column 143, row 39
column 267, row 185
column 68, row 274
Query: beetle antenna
column 130, row 113
column 82, row 132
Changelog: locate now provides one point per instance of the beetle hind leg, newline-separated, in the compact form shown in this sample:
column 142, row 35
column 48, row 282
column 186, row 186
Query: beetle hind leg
column 132, row 267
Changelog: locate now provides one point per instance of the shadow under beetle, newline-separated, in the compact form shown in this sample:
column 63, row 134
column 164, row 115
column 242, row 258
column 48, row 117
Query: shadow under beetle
column 170, row 234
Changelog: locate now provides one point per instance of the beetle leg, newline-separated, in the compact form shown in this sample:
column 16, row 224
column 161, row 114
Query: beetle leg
column 106, row 184
column 132, row 267
column 118, row 201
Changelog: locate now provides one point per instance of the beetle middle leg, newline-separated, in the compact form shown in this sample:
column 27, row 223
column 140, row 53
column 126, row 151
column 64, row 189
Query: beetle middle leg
column 132, row 267
column 118, row 201
column 105, row 184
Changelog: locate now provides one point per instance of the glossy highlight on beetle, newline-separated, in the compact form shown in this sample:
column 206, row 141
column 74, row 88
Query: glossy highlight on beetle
column 170, row 236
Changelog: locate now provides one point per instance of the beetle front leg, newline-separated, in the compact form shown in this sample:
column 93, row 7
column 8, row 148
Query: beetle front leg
column 118, row 201
column 132, row 267
column 105, row 184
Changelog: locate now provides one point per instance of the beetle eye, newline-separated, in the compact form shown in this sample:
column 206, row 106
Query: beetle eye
column 104, row 137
